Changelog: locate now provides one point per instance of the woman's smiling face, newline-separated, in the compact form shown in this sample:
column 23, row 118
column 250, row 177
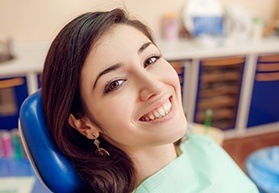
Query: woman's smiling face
column 132, row 94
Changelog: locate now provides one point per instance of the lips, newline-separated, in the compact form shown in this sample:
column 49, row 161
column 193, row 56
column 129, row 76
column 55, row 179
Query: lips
column 157, row 113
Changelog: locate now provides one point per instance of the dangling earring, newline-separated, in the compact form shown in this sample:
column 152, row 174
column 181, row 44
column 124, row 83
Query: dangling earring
column 101, row 152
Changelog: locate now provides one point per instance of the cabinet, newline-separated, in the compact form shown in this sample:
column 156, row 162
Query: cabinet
column 19, row 78
column 13, row 91
column 264, row 107
column 218, row 89
column 228, row 79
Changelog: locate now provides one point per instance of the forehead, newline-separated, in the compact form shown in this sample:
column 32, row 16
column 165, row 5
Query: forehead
column 119, row 35
column 114, row 46
column 117, row 41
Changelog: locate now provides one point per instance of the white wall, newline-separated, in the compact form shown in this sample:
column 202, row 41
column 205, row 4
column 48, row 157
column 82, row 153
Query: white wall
column 40, row 20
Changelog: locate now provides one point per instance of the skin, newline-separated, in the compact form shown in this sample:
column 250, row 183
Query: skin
column 124, row 78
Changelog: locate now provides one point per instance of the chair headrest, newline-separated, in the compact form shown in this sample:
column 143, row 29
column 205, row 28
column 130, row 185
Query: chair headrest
column 53, row 168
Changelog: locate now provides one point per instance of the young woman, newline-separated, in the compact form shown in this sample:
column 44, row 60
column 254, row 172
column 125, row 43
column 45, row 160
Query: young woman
column 113, row 106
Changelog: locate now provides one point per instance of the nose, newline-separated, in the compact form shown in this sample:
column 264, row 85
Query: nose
column 150, row 86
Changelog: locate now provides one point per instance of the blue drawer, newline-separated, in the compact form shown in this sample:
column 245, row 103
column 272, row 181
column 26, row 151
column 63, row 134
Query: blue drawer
column 264, row 107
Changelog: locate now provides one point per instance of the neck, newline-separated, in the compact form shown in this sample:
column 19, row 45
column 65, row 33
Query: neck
column 151, row 159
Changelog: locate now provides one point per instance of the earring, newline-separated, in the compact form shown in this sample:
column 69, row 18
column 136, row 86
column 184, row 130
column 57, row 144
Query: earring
column 101, row 152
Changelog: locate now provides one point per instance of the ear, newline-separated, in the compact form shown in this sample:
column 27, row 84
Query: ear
column 84, row 126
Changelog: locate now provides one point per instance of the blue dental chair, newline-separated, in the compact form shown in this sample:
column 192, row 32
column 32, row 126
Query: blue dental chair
column 52, row 168
column 262, row 166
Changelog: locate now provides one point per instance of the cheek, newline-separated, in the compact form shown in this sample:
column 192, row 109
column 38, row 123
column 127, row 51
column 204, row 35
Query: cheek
column 114, row 115
column 117, row 128
column 171, row 76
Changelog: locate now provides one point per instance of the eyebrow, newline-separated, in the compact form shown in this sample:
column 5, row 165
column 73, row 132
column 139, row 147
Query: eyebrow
column 144, row 46
column 106, row 71
column 117, row 66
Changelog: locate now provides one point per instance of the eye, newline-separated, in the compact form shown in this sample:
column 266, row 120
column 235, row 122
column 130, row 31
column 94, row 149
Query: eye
column 113, row 85
column 151, row 60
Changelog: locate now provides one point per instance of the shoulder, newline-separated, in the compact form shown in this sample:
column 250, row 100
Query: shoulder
column 210, row 161
column 200, row 148
column 203, row 145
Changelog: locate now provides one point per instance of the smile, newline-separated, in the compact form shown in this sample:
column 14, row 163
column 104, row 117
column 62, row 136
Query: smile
column 158, row 112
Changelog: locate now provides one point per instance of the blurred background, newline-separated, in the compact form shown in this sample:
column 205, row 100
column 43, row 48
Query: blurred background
column 226, row 53
column 29, row 21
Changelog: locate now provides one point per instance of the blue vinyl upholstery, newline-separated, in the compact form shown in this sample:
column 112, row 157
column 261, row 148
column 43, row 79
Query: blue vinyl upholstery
column 50, row 165
column 262, row 166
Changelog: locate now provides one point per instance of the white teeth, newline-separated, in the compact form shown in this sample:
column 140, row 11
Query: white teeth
column 158, row 113
column 151, row 117
column 162, row 111
column 167, row 106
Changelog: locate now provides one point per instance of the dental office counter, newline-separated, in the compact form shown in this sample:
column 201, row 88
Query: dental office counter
column 238, row 81
column 244, row 76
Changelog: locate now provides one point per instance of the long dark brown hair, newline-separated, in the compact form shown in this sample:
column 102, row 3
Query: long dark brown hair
column 61, row 96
